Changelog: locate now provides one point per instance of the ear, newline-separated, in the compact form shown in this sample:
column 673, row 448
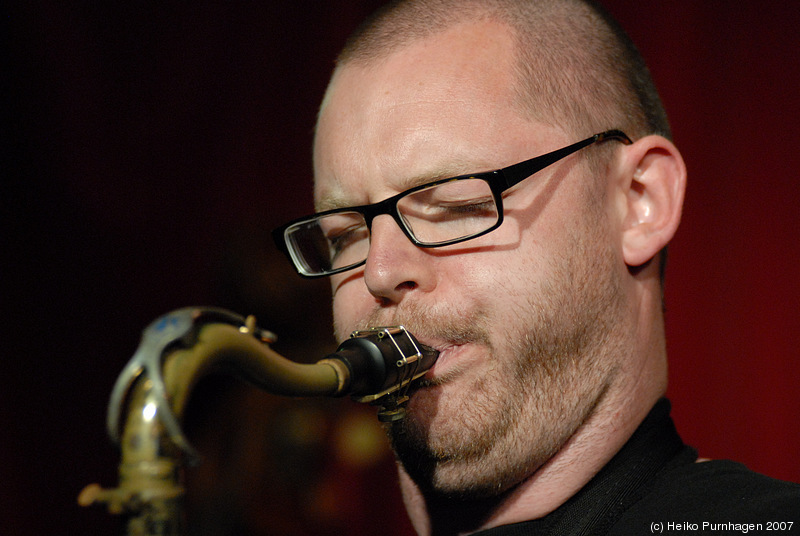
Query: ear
column 653, row 183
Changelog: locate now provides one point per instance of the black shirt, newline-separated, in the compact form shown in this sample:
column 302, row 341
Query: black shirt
column 654, row 486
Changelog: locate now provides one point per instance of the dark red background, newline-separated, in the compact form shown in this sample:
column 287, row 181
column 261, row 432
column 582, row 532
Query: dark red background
column 149, row 148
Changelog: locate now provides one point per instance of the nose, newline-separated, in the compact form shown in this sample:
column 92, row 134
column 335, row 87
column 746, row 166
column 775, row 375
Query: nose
column 396, row 267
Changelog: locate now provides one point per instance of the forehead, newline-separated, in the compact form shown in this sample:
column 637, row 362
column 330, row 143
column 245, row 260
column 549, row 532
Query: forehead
column 439, row 106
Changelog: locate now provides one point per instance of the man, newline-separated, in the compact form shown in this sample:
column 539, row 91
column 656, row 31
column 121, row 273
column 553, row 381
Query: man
column 540, row 285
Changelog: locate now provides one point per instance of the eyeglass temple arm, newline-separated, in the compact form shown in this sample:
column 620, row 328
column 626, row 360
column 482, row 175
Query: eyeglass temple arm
column 519, row 172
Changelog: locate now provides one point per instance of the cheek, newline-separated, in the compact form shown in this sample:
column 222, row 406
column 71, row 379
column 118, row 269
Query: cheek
column 491, row 283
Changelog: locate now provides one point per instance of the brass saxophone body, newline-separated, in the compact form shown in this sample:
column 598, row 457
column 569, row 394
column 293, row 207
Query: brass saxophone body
column 179, row 349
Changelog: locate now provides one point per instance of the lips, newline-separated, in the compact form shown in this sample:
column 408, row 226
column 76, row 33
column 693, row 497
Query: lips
column 448, row 362
column 457, row 338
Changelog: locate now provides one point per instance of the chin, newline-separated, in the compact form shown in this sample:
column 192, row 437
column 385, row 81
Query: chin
column 448, row 442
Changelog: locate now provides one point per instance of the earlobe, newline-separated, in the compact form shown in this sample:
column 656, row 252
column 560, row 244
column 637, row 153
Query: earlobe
column 654, row 184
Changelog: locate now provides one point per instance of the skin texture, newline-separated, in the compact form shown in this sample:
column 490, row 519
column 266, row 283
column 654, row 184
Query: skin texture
column 549, row 328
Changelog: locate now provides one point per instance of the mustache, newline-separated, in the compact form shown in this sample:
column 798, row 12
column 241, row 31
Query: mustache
column 440, row 324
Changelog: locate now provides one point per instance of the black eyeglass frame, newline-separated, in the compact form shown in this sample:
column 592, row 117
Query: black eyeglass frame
column 499, row 181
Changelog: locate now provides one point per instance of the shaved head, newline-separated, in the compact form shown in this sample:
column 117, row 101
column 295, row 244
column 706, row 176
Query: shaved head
column 576, row 68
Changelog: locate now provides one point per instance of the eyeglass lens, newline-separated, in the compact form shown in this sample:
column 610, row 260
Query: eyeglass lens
column 432, row 216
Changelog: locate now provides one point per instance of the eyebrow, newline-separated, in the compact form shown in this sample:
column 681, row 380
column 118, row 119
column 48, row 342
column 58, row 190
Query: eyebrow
column 438, row 173
column 335, row 201
column 330, row 203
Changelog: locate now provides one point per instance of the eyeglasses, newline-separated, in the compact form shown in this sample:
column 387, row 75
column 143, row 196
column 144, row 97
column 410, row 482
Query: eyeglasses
column 436, row 214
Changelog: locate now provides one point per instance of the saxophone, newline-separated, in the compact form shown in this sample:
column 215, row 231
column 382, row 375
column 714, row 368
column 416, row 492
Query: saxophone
column 180, row 348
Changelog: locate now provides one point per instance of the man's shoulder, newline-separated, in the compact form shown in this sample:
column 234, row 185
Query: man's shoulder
column 726, row 496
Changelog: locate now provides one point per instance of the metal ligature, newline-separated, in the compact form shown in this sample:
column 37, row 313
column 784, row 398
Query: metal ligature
column 179, row 349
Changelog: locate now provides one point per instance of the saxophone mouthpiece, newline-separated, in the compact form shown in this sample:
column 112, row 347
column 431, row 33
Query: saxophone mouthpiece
column 382, row 363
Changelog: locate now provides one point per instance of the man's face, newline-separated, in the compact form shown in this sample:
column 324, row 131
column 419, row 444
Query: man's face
column 523, row 317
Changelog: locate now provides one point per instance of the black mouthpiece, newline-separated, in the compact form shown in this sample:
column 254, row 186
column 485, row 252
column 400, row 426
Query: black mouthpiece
column 383, row 359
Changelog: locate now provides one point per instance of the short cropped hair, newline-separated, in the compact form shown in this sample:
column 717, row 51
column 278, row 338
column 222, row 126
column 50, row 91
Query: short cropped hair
column 595, row 77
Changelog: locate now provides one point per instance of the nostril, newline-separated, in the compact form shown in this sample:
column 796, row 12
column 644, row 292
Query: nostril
column 399, row 290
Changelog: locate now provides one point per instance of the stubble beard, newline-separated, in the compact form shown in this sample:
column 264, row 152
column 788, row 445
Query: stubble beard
column 538, row 381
